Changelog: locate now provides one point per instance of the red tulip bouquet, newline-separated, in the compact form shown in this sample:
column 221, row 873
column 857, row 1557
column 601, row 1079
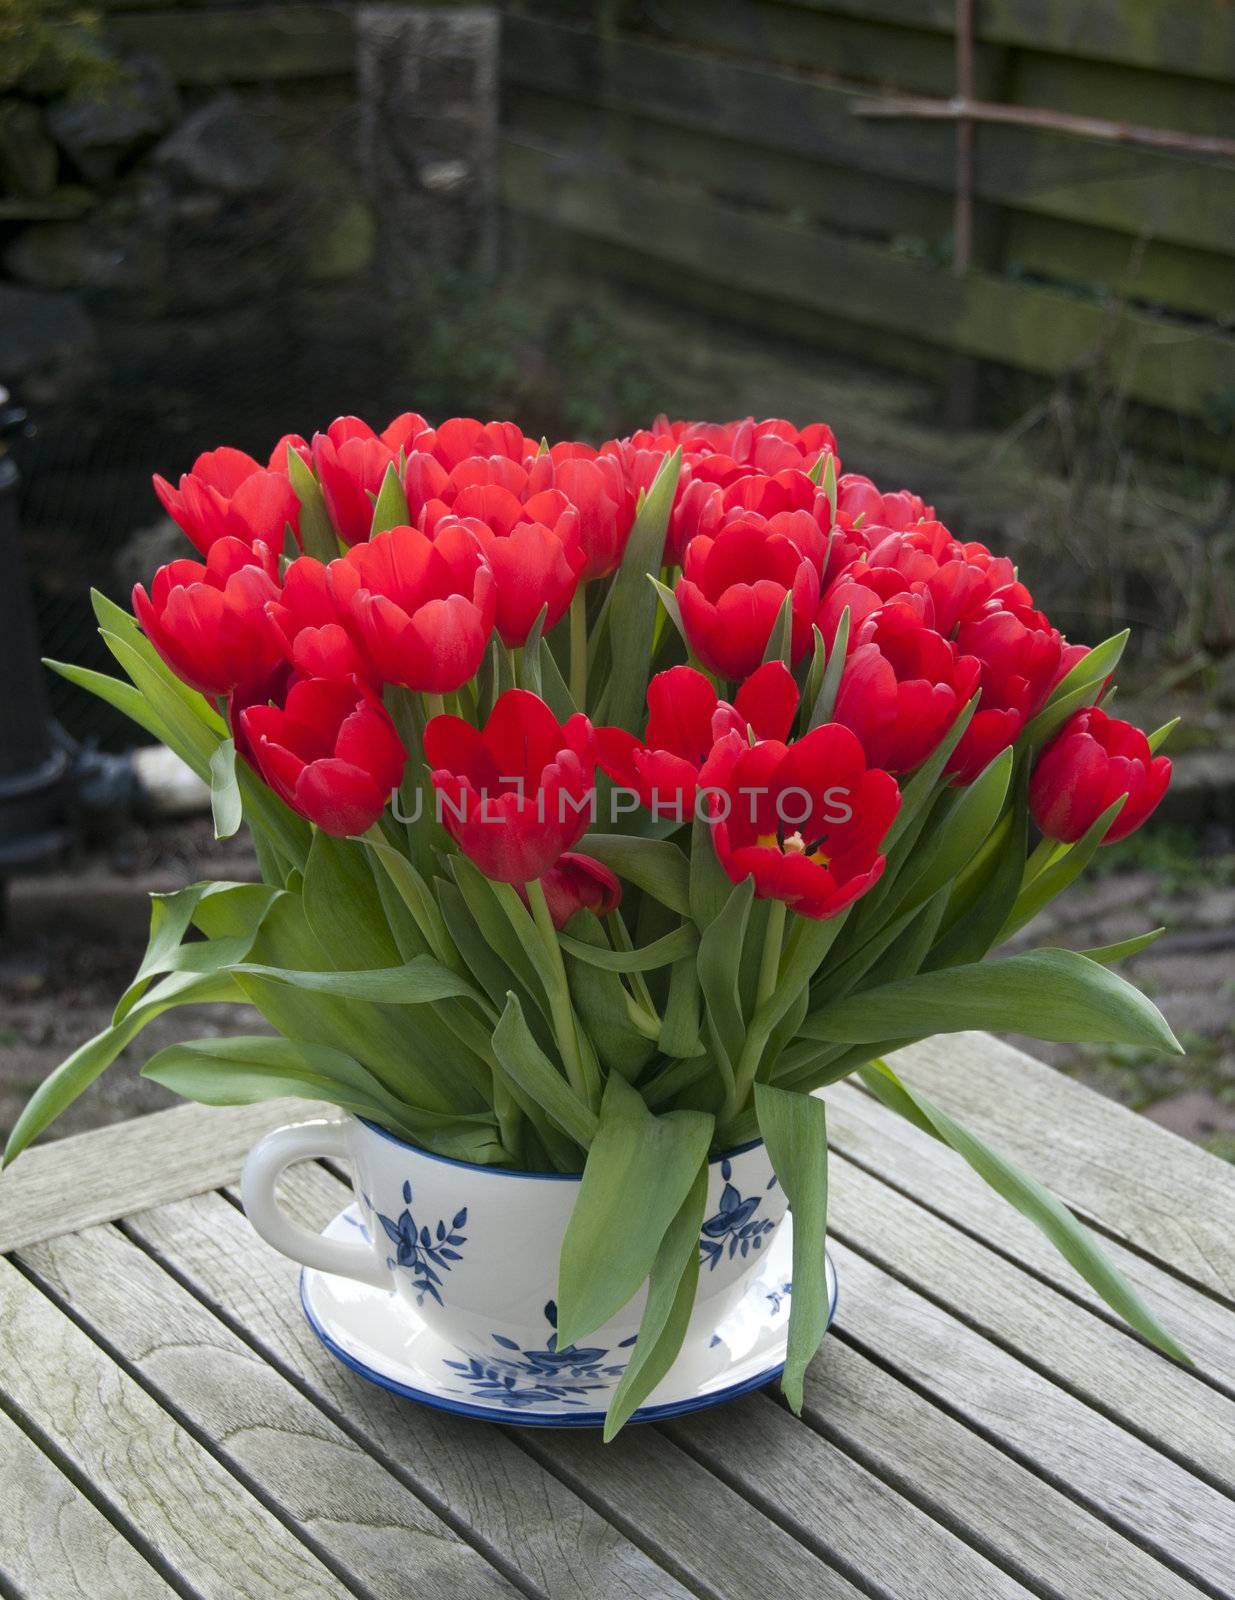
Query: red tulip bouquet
column 609, row 802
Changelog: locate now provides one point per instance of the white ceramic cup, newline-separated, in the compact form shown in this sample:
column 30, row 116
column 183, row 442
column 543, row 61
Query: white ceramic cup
column 472, row 1252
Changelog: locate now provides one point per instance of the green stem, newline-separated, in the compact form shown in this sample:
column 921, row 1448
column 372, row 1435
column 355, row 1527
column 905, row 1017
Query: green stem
column 761, row 1022
column 435, row 705
column 1039, row 859
column 578, row 648
column 769, row 967
column 560, row 1009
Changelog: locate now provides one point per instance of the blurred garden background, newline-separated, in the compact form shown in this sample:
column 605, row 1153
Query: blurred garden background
column 991, row 242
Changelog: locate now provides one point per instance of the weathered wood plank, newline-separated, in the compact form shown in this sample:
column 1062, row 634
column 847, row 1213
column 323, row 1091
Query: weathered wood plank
column 1133, row 191
column 1150, row 1189
column 1103, row 1365
column 831, row 1504
column 339, row 1500
column 93, row 1177
column 149, row 1470
column 1041, row 330
column 1034, row 1530
column 249, row 45
column 1150, row 1499
column 510, row 1505
column 866, row 1132
column 53, row 1541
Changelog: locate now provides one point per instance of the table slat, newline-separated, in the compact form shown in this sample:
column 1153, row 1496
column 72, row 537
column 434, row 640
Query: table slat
column 509, row 1503
column 964, row 1482
column 1148, row 1187
column 866, row 1132
column 336, row 1497
column 829, row 1502
column 148, row 1469
column 1148, row 1497
column 54, row 1541
column 94, row 1177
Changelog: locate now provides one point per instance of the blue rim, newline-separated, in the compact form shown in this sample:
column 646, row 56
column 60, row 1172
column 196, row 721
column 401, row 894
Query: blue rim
column 509, row 1172
column 537, row 1419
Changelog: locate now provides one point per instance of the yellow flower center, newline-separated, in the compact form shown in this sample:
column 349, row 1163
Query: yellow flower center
column 793, row 845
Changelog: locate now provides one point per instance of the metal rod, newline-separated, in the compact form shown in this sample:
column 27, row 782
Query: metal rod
column 965, row 111
column 962, row 225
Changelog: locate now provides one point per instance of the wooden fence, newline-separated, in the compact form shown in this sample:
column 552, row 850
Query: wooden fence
column 714, row 147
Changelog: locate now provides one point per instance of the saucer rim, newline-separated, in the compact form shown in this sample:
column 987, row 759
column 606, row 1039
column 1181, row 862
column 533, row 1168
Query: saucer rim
column 513, row 1417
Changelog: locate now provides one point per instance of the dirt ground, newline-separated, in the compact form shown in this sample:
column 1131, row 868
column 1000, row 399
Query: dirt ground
column 75, row 938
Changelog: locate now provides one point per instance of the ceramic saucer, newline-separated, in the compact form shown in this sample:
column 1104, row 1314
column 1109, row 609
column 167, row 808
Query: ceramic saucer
column 376, row 1335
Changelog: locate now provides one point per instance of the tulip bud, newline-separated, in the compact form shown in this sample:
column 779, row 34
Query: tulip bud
column 1087, row 766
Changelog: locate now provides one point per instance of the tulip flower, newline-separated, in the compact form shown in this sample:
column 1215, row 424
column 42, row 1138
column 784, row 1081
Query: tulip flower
column 902, row 688
column 535, row 563
column 959, row 578
column 685, row 719
column 860, row 498
column 209, row 623
column 228, row 495
column 1090, row 763
column 731, row 592
column 804, row 820
column 330, row 750
column 597, row 488
column 421, row 610
column 519, row 792
column 351, row 462
column 1020, row 654
column 577, row 883
column 314, row 628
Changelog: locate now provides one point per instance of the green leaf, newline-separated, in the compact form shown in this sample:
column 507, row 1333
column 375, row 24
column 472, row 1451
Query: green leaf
column 225, row 803
column 828, row 481
column 116, row 620
column 390, row 507
column 420, row 982
column 825, row 700
column 679, row 1030
column 530, row 656
column 186, row 733
column 75, row 1075
column 669, row 600
column 415, row 894
column 1160, row 735
column 795, row 1129
column 1107, row 954
column 962, row 830
column 653, row 865
column 920, row 789
column 126, row 699
column 603, row 1003
column 554, row 689
column 343, row 906
column 1054, row 879
column 708, row 882
column 981, row 901
column 780, row 640
column 719, row 962
column 672, row 1283
column 630, row 611
column 1047, row 994
column 639, row 1169
column 317, row 535
column 271, row 821
column 683, row 941
column 1074, row 1242
column 527, row 1064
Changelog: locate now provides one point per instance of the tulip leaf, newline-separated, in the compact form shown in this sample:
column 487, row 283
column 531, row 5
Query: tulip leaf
column 530, row 1068
column 123, row 697
column 982, row 899
column 270, row 819
column 780, row 639
column 916, row 794
column 116, row 620
column 639, row 1169
column 186, row 733
column 795, row 1129
column 814, row 678
column 419, row 982
column 1074, row 1242
column 629, row 615
column 75, row 1074
column 1093, row 667
column 1047, row 994
column 1062, row 871
column 343, row 906
column 225, row 806
column 672, row 1283
column 825, row 700
column 679, row 1029
column 719, row 961
column 962, row 830
column 1160, row 735
column 317, row 535
column 669, row 600
column 710, row 886
column 654, row 865
column 683, row 941
column 603, row 1002
column 828, row 483
column 390, row 507
column 171, row 916
column 554, row 689
column 1107, row 954
column 530, row 656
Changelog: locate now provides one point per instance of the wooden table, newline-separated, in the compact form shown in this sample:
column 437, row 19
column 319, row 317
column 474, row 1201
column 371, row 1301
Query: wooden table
column 976, row 1424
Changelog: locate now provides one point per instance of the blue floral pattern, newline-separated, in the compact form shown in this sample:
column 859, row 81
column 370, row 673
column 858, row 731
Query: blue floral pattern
column 514, row 1377
column 734, row 1227
column 426, row 1253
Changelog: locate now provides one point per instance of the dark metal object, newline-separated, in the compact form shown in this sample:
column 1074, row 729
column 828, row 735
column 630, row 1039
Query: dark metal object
column 34, row 765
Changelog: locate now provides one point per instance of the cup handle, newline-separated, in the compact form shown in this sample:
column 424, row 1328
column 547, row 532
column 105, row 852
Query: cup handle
column 266, row 1162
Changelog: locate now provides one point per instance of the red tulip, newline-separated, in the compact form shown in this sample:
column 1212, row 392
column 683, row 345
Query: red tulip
column 902, row 687
column 1019, row 651
column 331, row 751
column 991, row 729
column 860, row 498
column 314, row 629
column 959, row 578
column 228, row 495
column 597, row 488
column 351, row 462
column 209, row 623
column 685, row 719
column 535, row 563
column 577, row 883
column 731, row 592
column 1091, row 761
column 517, row 793
column 804, row 820
column 421, row 609
column 862, row 598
